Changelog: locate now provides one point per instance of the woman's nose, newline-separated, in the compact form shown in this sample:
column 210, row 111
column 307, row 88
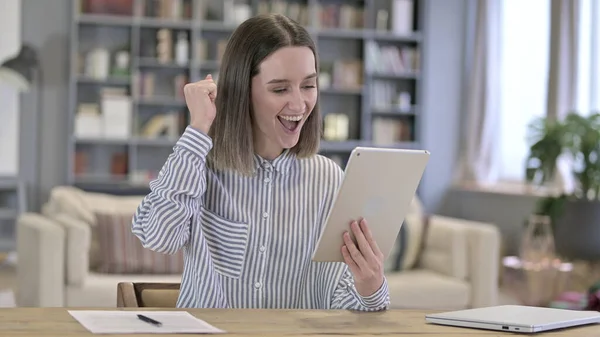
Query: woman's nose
column 297, row 103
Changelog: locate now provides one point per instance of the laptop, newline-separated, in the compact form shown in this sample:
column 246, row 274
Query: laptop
column 515, row 318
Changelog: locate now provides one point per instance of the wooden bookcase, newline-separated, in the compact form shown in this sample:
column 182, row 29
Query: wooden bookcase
column 125, row 114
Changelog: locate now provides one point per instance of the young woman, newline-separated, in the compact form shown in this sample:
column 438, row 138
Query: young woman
column 244, row 192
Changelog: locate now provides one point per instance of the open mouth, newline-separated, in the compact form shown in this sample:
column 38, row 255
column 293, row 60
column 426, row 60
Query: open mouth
column 290, row 123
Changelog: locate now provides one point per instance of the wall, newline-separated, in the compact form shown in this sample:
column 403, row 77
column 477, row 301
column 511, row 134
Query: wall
column 47, row 29
column 507, row 211
column 443, row 57
column 10, row 31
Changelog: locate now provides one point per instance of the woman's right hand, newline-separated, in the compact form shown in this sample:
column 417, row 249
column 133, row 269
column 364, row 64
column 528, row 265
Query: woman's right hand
column 200, row 100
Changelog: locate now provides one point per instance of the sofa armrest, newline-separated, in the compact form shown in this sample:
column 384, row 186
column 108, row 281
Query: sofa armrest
column 477, row 244
column 445, row 248
column 78, row 242
column 484, row 262
column 40, row 270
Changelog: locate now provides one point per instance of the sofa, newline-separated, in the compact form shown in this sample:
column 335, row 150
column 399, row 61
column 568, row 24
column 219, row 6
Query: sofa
column 447, row 264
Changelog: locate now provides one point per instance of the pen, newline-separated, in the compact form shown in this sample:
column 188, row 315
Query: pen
column 149, row 320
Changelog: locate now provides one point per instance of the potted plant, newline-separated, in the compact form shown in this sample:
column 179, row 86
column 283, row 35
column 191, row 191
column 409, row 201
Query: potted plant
column 575, row 213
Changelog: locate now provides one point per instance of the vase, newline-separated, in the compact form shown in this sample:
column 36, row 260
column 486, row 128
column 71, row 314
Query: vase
column 541, row 270
column 537, row 243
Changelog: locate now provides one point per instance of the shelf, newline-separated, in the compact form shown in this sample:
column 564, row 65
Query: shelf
column 161, row 102
column 104, row 20
column 12, row 203
column 341, row 146
column 139, row 141
column 340, row 91
column 148, row 62
column 8, row 244
column 156, row 142
column 117, row 188
column 392, row 76
column 8, row 183
column 100, row 141
column 358, row 34
column 209, row 64
column 91, row 180
column 392, row 111
column 149, row 22
column 391, row 37
column 114, row 80
column 8, row 214
column 335, row 33
column 399, row 145
column 217, row 26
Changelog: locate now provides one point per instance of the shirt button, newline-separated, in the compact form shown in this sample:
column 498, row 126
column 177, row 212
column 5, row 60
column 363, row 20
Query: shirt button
column 262, row 249
column 257, row 285
column 265, row 215
column 267, row 180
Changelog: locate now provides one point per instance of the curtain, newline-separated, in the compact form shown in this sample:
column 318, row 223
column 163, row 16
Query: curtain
column 477, row 155
column 564, row 48
column 563, row 75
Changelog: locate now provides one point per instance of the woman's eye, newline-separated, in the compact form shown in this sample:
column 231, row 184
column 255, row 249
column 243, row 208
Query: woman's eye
column 281, row 91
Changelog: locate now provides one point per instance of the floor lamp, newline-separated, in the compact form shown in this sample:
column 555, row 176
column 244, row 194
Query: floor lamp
column 22, row 72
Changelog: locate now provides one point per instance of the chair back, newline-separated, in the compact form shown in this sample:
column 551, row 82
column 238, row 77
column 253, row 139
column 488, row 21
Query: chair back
column 155, row 295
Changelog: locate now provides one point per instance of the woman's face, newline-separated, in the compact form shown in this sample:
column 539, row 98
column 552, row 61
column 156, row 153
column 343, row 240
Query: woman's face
column 284, row 94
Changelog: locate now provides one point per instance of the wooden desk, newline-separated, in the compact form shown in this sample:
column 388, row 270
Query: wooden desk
column 46, row 322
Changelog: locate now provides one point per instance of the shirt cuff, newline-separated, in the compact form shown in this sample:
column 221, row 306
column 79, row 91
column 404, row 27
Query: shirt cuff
column 379, row 299
column 195, row 141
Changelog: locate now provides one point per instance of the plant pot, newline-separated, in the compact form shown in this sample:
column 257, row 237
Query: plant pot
column 577, row 232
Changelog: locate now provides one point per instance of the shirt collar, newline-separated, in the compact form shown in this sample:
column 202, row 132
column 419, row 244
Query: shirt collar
column 280, row 164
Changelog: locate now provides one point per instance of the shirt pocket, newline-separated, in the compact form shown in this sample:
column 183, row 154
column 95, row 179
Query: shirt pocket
column 227, row 241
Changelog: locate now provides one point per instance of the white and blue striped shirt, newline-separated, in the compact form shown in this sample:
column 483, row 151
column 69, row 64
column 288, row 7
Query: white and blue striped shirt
column 248, row 240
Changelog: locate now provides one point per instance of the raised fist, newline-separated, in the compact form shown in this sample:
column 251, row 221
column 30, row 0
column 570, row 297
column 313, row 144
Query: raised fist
column 200, row 100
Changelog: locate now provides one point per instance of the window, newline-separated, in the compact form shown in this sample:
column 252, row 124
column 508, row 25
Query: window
column 588, row 73
column 525, row 46
column 524, row 68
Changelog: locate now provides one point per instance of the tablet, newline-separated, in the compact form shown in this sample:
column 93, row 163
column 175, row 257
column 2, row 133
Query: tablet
column 379, row 185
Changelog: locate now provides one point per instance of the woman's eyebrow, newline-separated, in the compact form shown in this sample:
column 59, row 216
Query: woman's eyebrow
column 313, row 75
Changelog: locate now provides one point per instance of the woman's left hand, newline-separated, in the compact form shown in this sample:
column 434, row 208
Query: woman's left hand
column 364, row 258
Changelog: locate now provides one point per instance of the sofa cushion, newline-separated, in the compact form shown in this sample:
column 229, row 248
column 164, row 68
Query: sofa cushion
column 423, row 289
column 406, row 251
column 83, row 205
column 121, row 252
column 445, row 249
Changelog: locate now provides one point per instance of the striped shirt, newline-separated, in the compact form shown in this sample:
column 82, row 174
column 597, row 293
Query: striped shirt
column 248, row 240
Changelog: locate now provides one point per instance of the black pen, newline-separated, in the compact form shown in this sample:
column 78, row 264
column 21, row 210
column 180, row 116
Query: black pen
column 149, row 320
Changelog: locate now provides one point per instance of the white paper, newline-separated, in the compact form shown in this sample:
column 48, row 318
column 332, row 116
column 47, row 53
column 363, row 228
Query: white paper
column 127, row 322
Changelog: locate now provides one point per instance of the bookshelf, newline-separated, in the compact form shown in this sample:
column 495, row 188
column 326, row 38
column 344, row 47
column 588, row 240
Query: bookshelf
column 129, row 64
column 12, row 204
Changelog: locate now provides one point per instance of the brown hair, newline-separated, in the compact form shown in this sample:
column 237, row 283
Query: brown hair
column 231, row 131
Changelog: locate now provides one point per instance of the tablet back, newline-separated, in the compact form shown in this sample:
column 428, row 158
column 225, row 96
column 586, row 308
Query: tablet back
column 379, row 185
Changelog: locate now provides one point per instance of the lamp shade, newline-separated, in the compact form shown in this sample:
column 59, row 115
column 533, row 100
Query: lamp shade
column 19, row 70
